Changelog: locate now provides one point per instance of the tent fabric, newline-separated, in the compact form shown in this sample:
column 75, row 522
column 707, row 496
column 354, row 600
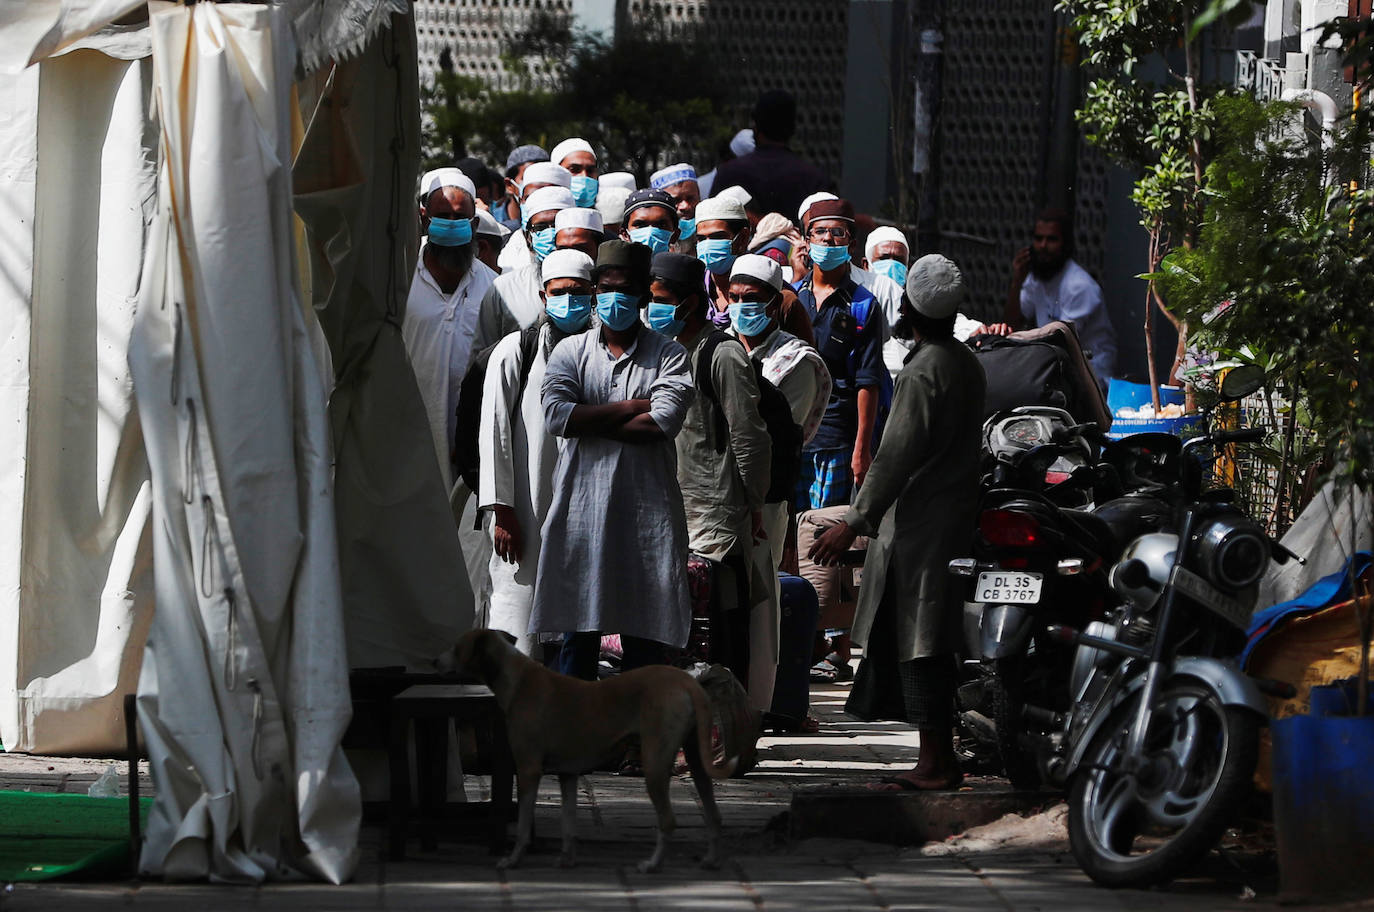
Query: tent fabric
column 79, row 167
column 405, row 590
column 243, row 697
column 33, row 30
column 1336, row 523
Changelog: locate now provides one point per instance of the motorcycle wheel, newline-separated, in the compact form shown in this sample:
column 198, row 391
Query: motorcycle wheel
column 1135, row 830
column 1006, row 690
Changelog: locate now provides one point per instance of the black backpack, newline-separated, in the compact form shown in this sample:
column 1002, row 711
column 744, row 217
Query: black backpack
column 467, row 457
column 785, row 465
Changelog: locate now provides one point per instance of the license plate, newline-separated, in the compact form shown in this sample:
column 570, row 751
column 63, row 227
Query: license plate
column 1006, row 586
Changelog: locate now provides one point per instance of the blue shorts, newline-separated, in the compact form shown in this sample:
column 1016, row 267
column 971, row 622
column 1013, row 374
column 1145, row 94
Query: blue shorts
column 826, row 479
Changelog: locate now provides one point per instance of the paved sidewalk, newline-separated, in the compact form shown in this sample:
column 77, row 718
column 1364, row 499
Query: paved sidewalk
column 616, row 828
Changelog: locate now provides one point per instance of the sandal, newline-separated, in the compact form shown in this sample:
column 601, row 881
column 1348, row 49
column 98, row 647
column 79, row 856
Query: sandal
column 809, row 725
column 832, row 669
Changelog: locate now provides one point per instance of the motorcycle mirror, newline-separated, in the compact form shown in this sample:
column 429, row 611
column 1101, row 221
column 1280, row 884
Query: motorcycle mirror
column 1240, row 382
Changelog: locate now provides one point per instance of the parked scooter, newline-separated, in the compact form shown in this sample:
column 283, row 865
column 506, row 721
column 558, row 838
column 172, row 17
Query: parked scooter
column 1041, row 556
column 1160, row 745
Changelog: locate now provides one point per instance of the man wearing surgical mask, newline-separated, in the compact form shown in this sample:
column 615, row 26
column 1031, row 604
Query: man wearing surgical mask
column 650, row 219
column 680, row 182
column 513, row 301
column 723, row 463
column 722, row 235
column 537, row 176
column 441, row 309
column 518, row 454
column 886, row 253
column 579, row 158
column 614, row 558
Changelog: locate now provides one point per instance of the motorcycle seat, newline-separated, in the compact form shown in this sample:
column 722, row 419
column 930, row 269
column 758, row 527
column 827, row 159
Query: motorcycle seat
column 1119, row 522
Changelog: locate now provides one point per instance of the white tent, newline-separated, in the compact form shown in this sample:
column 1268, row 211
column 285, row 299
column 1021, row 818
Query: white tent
column 167, row 237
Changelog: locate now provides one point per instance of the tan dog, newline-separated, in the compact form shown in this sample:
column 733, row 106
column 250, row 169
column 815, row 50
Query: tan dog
column 562, row 725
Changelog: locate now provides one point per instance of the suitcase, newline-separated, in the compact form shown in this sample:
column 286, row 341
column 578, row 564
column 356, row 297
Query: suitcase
column 796, row 638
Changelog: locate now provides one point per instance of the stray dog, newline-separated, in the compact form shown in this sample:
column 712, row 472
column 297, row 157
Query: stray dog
column 567, row 726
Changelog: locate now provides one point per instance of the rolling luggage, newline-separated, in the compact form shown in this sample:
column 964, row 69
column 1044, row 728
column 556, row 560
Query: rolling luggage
column 796, row 638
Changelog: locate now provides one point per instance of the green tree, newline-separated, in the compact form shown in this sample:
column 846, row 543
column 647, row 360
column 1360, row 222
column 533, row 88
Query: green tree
column 1158, row 131
column 649, row 95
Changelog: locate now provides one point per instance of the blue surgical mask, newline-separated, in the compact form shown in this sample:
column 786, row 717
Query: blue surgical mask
column 617, row 309
column 446, row 232
column 584, row 190
column 686, row 227
column 569, row 312
column 829, row 257
column 893, row 269
column 663, row 318
column 750, row 318
column 656, row 239
column 717, row 253
column 542, row 243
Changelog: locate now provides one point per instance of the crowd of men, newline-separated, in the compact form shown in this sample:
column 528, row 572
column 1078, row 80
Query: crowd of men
column 683, row 369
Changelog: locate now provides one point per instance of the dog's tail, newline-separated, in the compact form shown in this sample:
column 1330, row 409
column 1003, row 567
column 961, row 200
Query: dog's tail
column 701, row 708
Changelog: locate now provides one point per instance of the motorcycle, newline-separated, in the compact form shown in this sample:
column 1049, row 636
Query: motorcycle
column 1161, row 742
column 1041, row 555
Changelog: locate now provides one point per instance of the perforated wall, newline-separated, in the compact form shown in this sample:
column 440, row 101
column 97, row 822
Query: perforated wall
column 996, row 73
column 776, row 44
column 476, row 32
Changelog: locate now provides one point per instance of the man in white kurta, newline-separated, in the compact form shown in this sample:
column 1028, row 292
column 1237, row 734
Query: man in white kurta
column 442, row 308
column 614, row 558
column 518, row 454
column 513, row 301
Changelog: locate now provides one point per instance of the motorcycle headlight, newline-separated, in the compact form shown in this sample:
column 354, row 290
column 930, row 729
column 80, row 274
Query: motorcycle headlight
column 1232, row 552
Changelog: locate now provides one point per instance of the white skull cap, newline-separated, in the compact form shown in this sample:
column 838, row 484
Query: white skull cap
column 578, row 218
column 546, row 198
column 883, row 235
column 720, row 207
column 568, row 147
column 759, row 268
column 667, row 177
column 566, row 264
column 737, row 192
column 743, row 142
column 935, row 287
column 813, row 198
column 547, row 173
column 446, row 177
column 488, row 225
column 610, row 202
column 619, row 179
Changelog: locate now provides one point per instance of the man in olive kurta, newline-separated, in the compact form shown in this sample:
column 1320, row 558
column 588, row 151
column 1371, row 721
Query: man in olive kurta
column 918, row 506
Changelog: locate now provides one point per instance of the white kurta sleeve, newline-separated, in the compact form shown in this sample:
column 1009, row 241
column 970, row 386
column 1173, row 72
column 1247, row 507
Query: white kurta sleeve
column 495, row 434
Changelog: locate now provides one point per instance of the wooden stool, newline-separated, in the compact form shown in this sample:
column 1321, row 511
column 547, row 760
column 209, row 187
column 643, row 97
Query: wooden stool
column 430, row 707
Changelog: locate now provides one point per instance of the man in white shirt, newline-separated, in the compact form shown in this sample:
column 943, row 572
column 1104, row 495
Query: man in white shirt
column 1047, row 285
column 513, row 300
column 441, row 310
column 518, row 454
column 537, row 176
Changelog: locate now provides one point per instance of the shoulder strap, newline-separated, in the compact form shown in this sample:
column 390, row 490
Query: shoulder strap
column 861, row 304
column 707, row 386
column 529, row 345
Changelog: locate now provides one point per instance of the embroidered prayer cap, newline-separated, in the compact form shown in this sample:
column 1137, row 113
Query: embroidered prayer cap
column 737, row 192
column 883, row 235
column 523, row 155
column 720, row 208
column 641, row 198
column 673, row 174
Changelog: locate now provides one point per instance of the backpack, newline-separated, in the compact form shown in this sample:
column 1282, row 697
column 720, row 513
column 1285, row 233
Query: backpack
column 784, row 467
column 861, row 306
column 467, row 457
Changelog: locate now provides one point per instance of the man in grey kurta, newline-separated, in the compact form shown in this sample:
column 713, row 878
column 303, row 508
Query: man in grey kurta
column 615, row 539
column 918, row 506
column 723, row 453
